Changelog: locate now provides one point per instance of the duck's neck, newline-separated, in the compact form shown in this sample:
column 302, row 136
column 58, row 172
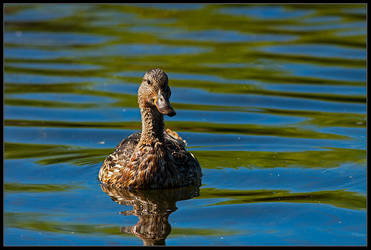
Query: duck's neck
column 152, row 125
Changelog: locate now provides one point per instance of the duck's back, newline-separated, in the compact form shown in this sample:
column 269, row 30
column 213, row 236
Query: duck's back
column 162, row 165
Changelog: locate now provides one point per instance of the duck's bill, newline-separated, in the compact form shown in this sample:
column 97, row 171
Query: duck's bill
column 163, row 106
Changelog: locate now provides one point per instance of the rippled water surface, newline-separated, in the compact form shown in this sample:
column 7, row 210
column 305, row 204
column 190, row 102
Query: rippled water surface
column 270, row 98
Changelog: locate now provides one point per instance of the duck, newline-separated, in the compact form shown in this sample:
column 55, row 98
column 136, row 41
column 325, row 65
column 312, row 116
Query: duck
column 155, row 157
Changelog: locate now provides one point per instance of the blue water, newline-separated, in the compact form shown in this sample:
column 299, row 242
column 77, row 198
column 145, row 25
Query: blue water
column 271, row 99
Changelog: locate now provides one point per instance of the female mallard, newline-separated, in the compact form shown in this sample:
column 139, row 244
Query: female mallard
column 154, row 158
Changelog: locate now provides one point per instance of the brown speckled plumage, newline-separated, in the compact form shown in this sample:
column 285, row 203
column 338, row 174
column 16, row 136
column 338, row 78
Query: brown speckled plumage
column 153, row 158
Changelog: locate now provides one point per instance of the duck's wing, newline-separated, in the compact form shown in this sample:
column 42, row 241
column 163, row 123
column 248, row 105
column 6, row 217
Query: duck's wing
column 119, row 157
column 128, row 144
column 185, row 161
column 173, row 136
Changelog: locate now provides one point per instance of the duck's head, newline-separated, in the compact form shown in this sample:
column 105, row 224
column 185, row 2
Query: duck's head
column 154, row 92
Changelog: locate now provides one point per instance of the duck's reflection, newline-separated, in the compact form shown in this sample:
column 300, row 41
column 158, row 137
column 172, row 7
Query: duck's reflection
column 153, row 208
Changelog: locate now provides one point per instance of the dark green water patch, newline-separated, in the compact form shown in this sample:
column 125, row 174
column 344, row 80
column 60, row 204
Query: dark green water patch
column 330, row 158
column 36, row 222
column 54, row 154
column 338, row 198
column 37, row 188
column 203, row 127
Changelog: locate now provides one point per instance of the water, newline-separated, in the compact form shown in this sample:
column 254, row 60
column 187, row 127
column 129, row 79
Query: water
column 270, row 98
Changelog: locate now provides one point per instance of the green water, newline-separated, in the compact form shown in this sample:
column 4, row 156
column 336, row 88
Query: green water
column 271, row 99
